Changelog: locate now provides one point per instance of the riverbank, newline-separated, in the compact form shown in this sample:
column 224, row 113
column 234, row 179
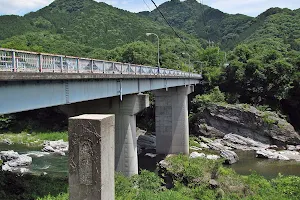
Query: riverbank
column 193, row 178
column 34, row 139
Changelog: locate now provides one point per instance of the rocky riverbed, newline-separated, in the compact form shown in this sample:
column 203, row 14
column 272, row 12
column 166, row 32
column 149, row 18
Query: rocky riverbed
column 21, row 162
column 232, row 142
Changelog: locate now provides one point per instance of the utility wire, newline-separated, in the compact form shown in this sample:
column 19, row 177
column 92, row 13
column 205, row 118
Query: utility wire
column 147, row 5
column 170, row 25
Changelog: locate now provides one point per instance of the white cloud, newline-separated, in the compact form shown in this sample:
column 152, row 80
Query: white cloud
column 20, row 7
column 251, row 7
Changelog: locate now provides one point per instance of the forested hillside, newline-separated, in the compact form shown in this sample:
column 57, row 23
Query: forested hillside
column 86, row 22
column 202, row 21
column 265, row 68
column 77, row 27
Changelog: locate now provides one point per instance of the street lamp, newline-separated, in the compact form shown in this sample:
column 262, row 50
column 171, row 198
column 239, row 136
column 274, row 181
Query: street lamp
column 184, row 53
column 158, row 64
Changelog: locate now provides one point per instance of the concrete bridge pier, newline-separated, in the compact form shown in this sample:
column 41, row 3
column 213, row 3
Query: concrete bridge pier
column 171, row 120
column 126, row 142
column 125, row 111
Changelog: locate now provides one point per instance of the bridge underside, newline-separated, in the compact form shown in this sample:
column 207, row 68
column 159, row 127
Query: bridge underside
column 17, row 96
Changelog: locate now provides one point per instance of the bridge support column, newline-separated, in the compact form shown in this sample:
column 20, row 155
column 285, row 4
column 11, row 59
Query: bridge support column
column 91, row 157
column 125, row 136
column 126, row 142
column 171, row 120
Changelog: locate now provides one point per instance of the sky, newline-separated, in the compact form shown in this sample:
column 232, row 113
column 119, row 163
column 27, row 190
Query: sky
column 247, row 7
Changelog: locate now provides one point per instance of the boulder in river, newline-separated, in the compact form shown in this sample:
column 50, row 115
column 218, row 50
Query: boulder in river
column 9, row 155
column 22, row 160
column 58, row 147
column 230, row 156
column 212, row 157
column 197, row 155
column 14, row 162
column 271, row 154
column 146, row 142
column 21, row 170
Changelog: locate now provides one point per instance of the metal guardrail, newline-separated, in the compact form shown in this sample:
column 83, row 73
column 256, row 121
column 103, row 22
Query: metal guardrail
column 25, row 61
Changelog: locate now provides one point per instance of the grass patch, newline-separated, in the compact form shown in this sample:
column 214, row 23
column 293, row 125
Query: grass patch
column 30, row 187
column 191, row 182
column 148, row 186
column 194, row 141
column 268, row 119
column 195, row 171
column 35, row 138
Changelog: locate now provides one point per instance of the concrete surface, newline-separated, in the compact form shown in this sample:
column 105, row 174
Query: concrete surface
column 171, row 120
column 91, row 157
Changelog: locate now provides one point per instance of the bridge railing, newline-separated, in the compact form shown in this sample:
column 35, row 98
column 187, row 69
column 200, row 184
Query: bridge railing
column 24, row 61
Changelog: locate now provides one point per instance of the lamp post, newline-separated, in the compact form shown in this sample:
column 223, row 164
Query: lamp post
column 184, row 53
column 158, row 64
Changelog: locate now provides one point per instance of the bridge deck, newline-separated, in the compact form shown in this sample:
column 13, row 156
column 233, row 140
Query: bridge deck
column 28, row 76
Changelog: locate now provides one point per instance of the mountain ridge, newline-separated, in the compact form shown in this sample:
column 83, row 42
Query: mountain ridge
column 99, row 25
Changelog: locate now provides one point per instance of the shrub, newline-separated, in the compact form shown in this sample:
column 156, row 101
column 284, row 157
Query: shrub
column 214, row 96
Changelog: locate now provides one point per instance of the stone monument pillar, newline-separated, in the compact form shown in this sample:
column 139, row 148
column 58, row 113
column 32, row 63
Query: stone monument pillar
column 91, row 157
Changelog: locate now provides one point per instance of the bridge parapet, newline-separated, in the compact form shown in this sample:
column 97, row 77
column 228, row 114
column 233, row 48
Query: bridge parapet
column 25, row 61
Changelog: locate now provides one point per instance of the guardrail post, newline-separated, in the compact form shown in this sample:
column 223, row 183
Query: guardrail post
column 103, row 67
column 113, row 68
column 61, row 64
column 40, row 63
column 54, row 64
column 121, row 68
column 77, row 65
column 67, row 67
column 13, row 61
column 92, row 66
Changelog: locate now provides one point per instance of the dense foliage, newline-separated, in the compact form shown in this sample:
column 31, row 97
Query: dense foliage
column 203, row 21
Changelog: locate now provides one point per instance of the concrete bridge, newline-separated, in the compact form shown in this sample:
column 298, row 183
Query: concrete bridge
column 30, row 80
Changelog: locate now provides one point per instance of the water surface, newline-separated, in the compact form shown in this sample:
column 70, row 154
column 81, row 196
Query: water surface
column 265, row 167
column 51, row 164
column 58, row 165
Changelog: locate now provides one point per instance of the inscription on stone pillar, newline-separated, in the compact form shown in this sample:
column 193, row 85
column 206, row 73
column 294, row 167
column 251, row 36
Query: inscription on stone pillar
column 85, row 163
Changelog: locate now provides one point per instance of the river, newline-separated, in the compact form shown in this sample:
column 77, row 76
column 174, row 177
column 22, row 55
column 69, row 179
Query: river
column 58, row 165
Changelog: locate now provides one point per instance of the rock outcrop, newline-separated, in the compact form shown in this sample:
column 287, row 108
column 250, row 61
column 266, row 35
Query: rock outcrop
column 244, row 120
column 146, row 142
